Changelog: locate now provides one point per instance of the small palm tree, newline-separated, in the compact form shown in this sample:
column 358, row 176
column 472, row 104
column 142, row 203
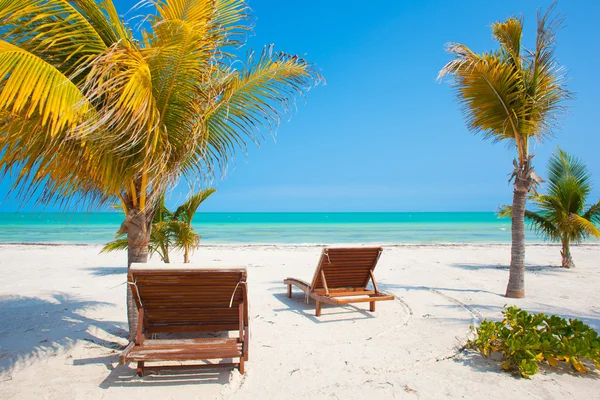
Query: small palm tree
column 169, row 229
column 561, row 215
column 161, row 235
column 512, row 95
column 184, row 235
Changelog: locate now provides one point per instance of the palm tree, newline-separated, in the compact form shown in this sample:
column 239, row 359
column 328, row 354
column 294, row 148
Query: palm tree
column 561, row 215
column 90, row 111
column 185, row 236
column 512, row 95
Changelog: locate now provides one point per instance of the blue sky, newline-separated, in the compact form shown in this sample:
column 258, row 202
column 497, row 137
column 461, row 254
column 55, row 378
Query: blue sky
column 383, row 134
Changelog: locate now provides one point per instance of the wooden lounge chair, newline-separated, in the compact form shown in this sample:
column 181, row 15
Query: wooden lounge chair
column 342, row 277
column 186, row 299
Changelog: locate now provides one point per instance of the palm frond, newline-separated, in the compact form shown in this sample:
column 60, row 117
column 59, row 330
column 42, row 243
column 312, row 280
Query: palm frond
column 543, row 225
column 510, row 94
column 116, row 245
column 582, row 228
column 29, row 85
column 187, row 210
column 56, row 31
column 593, row 213
column 254, row 101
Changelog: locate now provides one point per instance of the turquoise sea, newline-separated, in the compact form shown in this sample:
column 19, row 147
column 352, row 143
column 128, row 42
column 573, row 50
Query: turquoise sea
column 434, row 227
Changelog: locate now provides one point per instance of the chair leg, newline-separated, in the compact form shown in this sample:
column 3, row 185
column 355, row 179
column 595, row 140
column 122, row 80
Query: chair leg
column 289, row 291
column 372, row 306
column 242, row 369
column 318, row 310
column 140, row 368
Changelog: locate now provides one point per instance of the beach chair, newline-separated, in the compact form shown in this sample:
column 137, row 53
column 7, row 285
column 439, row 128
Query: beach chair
column 188, row 301
column 342, row 277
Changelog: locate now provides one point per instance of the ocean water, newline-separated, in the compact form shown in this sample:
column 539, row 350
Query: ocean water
column 322, row 228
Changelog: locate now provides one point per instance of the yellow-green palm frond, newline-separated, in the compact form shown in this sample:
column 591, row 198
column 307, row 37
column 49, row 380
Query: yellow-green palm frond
column 254, row 100
column 511, row 93
column 593, row 213
column 489, row 92
column 30, row 86
column 184, row 236
column 509, row 34
column 115, row 245
column 187, row 210
column 119, row 84
column 60, row 32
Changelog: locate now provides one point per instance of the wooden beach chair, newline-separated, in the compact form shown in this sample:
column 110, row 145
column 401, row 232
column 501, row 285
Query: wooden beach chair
column 342, row 277
column 188, row 300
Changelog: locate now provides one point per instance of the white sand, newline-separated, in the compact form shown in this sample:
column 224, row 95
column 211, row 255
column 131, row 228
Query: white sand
column 62, row 324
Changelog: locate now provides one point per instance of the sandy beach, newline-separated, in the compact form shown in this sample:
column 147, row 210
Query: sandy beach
column 63, row 325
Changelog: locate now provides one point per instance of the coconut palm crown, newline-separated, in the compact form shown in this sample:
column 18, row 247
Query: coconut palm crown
column 512, row 95
column 88, row 110
column 561, row 214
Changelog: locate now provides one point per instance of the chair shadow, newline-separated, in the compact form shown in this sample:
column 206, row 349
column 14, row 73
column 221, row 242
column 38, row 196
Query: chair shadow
column 34, row 328
column 126, row 376
column 298, row 305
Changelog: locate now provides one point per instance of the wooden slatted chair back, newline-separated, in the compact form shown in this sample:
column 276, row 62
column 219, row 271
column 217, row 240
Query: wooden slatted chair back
column 193, row 300
column 346, row 267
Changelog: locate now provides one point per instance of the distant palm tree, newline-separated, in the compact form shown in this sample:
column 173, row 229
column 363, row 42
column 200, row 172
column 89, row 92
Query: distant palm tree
column 89, row 111
column 184, row 235
column 512, row 95
column 561, row 215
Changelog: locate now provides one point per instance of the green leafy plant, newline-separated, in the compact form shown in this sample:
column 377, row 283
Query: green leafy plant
column 526, row 340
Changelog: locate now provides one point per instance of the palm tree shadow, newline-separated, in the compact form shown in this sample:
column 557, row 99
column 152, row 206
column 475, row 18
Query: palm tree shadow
column 107, row 271
column 35, row 328
column 550, row 269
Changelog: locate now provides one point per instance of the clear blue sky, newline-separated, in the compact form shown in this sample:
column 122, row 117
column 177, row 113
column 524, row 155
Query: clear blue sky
column 383, row 135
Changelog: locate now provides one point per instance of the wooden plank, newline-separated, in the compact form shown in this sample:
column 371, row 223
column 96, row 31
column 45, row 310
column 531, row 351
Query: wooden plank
column 324, row 282
column 125, row 352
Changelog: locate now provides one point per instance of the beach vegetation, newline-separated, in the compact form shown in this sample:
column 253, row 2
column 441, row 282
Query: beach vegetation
column 527, row 340
column 169, row 229
column 512, row 95
column 99, row 111
column 561, row 215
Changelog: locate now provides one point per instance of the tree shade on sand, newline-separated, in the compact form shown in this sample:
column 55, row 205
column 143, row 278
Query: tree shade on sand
column 561, row 214
column 87, row 109
column 512, row 95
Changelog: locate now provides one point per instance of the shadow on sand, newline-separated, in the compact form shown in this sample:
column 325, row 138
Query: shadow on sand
column 126, row 376
column 33, row 328
column 546, row 269
column 107, row 271
column 329, row 313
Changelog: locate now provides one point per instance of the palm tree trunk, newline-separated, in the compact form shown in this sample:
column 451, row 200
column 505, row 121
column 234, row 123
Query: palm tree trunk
column 138, row 227
column 516, row 280
column 567, row 260
column 186, row 255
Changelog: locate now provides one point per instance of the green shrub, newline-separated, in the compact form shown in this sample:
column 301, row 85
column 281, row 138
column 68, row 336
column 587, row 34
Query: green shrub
column 526, row 340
